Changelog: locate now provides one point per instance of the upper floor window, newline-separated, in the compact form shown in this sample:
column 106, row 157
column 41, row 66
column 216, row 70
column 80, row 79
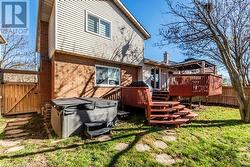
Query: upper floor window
column 98, row 25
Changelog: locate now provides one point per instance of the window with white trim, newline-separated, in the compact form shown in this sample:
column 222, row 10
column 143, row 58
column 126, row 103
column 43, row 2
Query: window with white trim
column 107, row 76
column 98, row 26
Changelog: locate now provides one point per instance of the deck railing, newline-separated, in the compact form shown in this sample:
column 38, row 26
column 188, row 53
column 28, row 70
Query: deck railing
column 188, row 85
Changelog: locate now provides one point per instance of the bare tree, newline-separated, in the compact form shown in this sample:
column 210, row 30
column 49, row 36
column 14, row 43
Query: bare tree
column 16, row 54
column 219, row 30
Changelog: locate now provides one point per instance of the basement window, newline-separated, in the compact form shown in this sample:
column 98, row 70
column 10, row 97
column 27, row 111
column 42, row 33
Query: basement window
column 98, row 26
column 107, row 76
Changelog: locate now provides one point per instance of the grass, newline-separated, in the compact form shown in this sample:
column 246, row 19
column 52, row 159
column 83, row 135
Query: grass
column 2, row 125
column 216, row 138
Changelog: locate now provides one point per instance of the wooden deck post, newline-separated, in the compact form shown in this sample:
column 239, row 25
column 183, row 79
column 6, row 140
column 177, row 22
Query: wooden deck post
column 1, row 101
column 203, row 69
column 190, row 105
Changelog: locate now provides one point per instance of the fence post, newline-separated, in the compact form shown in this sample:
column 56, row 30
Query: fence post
column 1, row 76
column 1, row 105
column 1, row 94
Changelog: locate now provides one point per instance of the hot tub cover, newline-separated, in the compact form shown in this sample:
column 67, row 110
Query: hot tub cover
column 69, row 114
column 88, row 109
column 83, row 103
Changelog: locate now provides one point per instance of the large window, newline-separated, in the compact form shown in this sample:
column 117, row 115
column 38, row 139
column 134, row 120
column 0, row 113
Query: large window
column 98, row 26
column 107, row 76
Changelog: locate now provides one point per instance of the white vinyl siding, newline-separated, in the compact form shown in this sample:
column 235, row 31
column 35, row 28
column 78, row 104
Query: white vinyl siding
column 107, row 76
column 125, row 45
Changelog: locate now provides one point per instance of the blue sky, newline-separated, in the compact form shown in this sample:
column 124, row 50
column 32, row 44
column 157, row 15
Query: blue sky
column 148, row 12
column 151, row 15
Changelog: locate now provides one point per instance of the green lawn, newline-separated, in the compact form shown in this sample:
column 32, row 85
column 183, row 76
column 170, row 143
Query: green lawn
column 216, row 138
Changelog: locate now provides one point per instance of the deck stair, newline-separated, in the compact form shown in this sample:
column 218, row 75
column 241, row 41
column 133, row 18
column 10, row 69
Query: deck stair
column 169, row 113
column 160, row 95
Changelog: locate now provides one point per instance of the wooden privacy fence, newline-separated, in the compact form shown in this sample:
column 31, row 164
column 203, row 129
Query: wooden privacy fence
column 19, row 92
column 228, row 97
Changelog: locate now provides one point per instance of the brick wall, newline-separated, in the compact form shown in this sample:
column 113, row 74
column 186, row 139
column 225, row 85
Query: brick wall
column 74, row 76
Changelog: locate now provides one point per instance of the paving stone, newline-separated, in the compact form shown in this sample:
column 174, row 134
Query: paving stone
column 14, row 131
column 19, row 135
column 18, row 123
column 142, row 147
column 4, row 143
column 23, row 115
column 169, row 138
column 170, row 132
column 160, row 144
column 244, row 149
column 164, row 159
column 58, row 141
column 11, row 128
column 14, row 149
column 22, row 138
column 1, row 151
column 121, row 146
column 104, row 138
column 20, row 119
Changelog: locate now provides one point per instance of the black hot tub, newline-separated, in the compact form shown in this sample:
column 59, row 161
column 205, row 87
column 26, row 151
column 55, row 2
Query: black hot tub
column 68, row 115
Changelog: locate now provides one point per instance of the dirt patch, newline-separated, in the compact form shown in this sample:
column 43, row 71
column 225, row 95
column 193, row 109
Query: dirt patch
column 38, row 161
column 35, row 127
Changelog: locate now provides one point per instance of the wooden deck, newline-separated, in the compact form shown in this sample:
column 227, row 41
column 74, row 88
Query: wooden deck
column 189, row 85
column 160, row 95
column 157, row 112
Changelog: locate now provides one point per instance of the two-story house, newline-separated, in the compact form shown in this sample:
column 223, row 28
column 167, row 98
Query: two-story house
column 87, row 48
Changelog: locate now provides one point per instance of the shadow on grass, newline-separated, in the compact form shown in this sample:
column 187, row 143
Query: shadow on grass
column 138, row 136
column 138, row 119
column 131, row 145
column 55, row 148
column 214, row 123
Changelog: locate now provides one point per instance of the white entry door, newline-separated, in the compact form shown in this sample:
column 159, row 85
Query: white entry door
column 155, row 78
